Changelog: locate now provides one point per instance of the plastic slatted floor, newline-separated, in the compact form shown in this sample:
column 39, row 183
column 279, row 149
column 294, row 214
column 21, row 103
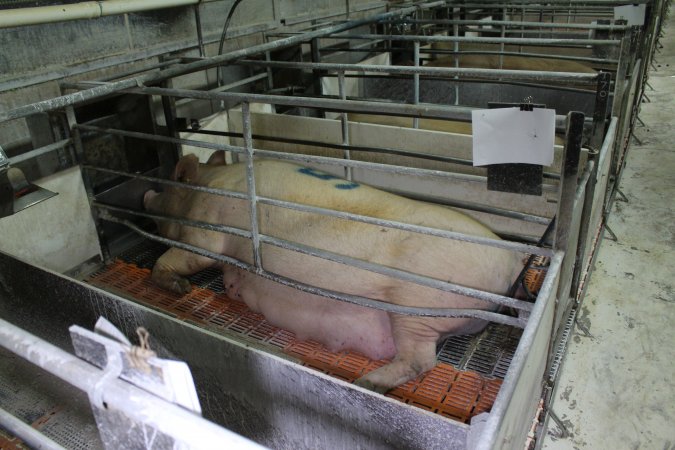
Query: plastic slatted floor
column 453, row 388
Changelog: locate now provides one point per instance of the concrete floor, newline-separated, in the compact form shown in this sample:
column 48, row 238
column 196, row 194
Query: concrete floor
column 616, row 389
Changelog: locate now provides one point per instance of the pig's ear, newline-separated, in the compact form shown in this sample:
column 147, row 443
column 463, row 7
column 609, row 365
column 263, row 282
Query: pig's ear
column 217, row 158
column 187, row 169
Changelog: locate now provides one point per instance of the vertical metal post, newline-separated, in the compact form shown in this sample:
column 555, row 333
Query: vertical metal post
column 250, row 184
column 600, row 109
column 168, row 160
column 270, row 77
column 416, row 81
column 455, row 33
column 345, row 123
column 568, row 179
column 198, row 24
column 316, row 74
column 584, row 229
column 86, row 180
column 623, row 68
column 501, row 45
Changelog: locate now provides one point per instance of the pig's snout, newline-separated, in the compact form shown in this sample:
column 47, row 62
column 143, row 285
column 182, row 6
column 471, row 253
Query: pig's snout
column 148, row 197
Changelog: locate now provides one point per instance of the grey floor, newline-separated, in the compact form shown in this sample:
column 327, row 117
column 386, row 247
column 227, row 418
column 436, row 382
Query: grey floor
column 617, row 388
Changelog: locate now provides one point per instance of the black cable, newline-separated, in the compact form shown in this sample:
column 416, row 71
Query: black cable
column 224, row 33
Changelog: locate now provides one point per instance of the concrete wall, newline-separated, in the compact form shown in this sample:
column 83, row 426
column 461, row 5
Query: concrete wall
column 59, row 233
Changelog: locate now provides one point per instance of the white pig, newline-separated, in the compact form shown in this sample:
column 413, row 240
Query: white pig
column 410, row 341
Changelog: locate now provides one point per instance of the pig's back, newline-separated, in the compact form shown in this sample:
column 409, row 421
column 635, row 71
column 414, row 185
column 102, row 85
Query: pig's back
column 472, row 265
column 299, row 184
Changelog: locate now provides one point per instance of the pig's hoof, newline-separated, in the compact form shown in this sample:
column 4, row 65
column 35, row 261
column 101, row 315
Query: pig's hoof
column 367, row 384
column 181, row 286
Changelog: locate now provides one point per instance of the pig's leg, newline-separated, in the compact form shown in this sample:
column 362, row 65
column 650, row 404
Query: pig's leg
column 232, row 281
column 171, row 268
column 416, row 354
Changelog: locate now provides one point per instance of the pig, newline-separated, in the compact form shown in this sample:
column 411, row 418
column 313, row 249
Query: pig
column 410, row 342
column 513, row 62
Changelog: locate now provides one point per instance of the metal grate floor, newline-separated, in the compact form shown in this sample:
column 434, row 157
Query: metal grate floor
column 463, row 384
column 55, row 408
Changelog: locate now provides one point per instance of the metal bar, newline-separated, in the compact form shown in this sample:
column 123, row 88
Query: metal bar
column 389, row 168
column 524, row 54
column 507, row 245
column 184, row 222
column 139, row 405
column 586, row 225
column 482, row 40
column 100, row 91
column 40, row 151
column 166, row 182
column 250, row 185
column 198, row 25
column 400, row 274
column 354, row 299
column 416, row 81
column 541, row 220
column 582, row 78
column 345, row 125
column 238, row 83
column 550, row 4
column 515, row 23
column 497, row 243
column 432, row 199
column 600, row 110
column 520, row 359
column 330, row 104
column 569, row 174
column 26, row 433
column 160, row 138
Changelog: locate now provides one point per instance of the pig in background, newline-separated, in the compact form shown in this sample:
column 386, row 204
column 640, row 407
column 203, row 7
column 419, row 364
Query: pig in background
column 410, row 341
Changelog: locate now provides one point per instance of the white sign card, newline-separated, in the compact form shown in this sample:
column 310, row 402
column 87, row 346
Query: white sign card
column 509, row 135
column 633, row 14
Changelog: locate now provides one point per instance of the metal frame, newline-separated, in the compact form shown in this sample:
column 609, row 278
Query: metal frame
column 538, row 327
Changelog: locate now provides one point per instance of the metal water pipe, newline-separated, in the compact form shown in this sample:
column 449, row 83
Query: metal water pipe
column 85, row 10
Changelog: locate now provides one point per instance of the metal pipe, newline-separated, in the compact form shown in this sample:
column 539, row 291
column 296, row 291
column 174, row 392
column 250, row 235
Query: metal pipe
column 344, row 120
column 388, row 168
column 481, row 40
column 516, row 23
column 332, row 104
column 540, row 220
column 416, row 81
column 141, row 406
column 26, row 433
column 354, row 299
column 250, row 186
column 513, row 246
column 40, row 151
column 184, row 222
column 100, row 91
column 581, row 78
column 84, row 10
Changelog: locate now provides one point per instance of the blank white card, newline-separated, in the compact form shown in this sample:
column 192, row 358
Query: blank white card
column 509, row 135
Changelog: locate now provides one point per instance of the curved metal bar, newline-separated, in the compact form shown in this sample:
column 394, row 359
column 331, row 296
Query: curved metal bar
column 357, row 300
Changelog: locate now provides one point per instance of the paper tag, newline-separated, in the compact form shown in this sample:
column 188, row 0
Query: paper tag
column 509, row 135
column 634, row 15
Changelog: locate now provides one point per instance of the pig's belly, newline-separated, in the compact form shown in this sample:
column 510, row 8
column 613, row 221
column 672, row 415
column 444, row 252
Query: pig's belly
column 337, row 325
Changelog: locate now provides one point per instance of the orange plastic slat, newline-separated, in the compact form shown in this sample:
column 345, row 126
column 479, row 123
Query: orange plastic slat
column 443, row 390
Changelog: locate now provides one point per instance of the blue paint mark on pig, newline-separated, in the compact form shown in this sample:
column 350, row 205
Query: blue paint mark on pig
column 347, row 185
